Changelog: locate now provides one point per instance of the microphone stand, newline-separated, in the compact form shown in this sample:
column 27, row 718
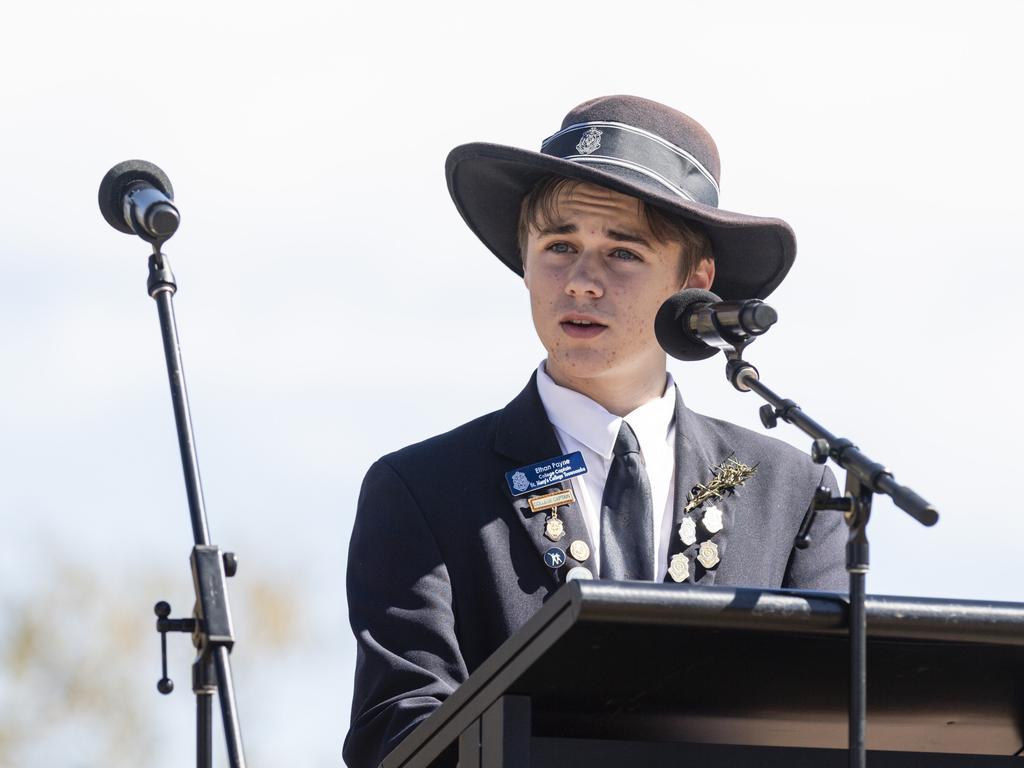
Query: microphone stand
column 864, row 478
column 211, row 628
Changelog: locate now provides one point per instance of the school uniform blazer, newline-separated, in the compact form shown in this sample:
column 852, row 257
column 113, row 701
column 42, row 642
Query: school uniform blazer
column 444, row 563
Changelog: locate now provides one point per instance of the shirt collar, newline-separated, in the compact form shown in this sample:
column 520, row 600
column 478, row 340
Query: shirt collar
column 589, row 423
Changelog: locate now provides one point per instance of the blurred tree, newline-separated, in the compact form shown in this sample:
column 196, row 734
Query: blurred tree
column 80, row 660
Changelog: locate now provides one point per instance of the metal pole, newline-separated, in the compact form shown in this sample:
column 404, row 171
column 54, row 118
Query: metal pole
column 212, row 670
column 162, row 288
column 858, row 672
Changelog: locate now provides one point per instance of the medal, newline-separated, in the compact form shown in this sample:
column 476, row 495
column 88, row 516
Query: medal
column 554, row 528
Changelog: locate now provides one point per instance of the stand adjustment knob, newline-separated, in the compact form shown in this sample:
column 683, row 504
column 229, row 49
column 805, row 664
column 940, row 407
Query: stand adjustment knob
column 163, row 610
column 769, row 417
column 820, row 451
column 230, row 564
column 165, row 624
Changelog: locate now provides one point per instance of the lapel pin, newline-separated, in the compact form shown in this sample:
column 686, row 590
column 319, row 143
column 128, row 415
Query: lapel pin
column 679, row 568
column 578, row 572
column 688, row 531
column 554, row 557
column 729, row 475
column 708, row 555
column 712, row 520
column 579, row 550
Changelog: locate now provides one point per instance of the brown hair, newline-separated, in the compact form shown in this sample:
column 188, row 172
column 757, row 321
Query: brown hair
column 538, row 212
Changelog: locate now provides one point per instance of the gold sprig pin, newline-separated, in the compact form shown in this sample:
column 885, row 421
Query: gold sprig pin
column 728, row 476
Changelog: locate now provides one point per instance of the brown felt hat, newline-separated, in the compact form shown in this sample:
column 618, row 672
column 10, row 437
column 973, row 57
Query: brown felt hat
column 637, row 147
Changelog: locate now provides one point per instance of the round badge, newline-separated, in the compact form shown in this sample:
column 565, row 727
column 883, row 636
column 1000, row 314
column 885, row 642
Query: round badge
column 579, row 550
column 554, row 557
column 579, row 572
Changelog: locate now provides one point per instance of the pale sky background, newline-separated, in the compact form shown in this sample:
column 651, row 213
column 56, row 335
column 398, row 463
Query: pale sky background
column 332, row 305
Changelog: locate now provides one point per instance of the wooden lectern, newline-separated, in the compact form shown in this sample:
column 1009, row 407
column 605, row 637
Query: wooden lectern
column 646, row 675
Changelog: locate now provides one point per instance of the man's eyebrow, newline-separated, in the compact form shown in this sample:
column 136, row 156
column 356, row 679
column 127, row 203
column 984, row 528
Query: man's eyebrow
column 558, row 229
column 628, row 237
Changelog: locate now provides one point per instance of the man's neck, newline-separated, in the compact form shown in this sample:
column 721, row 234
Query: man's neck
column 620, row 396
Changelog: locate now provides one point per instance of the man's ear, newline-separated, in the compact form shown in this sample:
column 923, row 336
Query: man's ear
column 703, row 275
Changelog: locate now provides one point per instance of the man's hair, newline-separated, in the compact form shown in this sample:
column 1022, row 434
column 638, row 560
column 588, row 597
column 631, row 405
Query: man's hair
column 538, row 212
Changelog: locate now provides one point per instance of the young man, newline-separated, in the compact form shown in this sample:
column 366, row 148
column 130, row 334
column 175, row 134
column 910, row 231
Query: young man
column 448, row 557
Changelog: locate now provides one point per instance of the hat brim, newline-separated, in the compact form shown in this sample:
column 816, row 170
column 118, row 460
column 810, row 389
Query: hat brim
column 487, row 182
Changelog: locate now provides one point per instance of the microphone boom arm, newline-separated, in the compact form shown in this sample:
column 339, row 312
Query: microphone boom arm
column 864, row 478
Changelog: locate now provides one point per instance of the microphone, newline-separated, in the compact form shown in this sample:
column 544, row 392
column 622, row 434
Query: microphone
column 694, row 324
column 135, row 198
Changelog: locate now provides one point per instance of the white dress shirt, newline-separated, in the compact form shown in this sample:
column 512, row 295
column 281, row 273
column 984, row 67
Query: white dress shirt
column 583, row 425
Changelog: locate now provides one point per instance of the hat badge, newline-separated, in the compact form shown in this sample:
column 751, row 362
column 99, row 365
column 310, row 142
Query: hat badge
column 590, row 142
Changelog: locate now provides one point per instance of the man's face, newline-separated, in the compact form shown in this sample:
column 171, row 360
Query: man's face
column 596, row 278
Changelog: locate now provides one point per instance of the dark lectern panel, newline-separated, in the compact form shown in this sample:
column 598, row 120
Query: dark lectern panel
column 679, row 665
column 731, row 687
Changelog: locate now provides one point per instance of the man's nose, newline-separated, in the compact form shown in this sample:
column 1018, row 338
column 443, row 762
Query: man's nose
column 584, row 277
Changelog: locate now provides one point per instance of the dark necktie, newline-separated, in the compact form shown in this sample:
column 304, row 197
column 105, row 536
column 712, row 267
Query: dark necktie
column 627, row 519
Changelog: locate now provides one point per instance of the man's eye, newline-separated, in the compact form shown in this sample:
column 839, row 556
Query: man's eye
column 625, row 255
column 559, row 248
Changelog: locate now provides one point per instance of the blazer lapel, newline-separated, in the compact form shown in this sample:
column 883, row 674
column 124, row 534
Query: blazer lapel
column 525, row 436
column 697, row 454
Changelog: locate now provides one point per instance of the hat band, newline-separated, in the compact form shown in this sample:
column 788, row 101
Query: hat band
column 624, row 146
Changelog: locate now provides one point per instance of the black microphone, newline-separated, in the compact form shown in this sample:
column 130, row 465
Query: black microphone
column 135, row 198
column 694, row 324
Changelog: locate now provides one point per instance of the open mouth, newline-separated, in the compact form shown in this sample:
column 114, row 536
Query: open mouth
column 580, row 328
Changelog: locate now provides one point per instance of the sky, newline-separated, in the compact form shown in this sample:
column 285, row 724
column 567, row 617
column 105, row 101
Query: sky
column 332, row 305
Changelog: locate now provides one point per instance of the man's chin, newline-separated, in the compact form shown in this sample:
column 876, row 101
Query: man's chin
column 579, row 365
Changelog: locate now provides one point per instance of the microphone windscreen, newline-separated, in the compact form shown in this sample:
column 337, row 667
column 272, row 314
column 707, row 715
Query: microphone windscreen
column 670, row 325
column 116, row 182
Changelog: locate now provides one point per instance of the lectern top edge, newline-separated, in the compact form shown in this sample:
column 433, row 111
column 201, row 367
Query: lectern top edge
column 795, row 611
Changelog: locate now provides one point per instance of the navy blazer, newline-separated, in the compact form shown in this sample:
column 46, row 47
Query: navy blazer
column 444, row 563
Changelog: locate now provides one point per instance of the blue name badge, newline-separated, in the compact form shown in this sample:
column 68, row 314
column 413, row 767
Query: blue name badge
column 545, row 473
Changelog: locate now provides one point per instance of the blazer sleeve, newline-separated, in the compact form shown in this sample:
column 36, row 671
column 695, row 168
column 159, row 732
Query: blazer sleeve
column 400, row 608
column 822, row 566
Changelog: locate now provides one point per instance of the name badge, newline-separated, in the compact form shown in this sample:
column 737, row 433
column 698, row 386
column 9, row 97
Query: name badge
column 545, row 473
